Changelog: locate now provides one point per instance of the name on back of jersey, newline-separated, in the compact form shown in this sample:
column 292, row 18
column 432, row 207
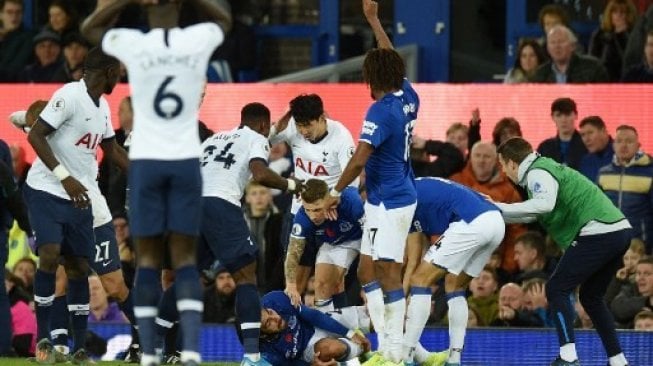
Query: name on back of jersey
column 147, row 61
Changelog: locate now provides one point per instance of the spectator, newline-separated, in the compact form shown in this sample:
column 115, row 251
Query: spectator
column 530, row 55
column 449, row 158
column 551, row 15
column 531, row 258
column 101, row 310
column 474, row 319
column 484, row 295
column 75, row 49
column 464, row 137
column 644, row 321
column 220, row 299
column 264, row 221
column 511, row 309
column 642, row 73
column 633, row 53
column 598, row 142
column 567, row 146
column 506, row 128
column 281, row 163
column 62, row 18
column 15, row 41
column 626, row 305
column 19, row 161
column 624, row 280
column 628, row 182
column 23, row 320
column 535, row 300
column 25, row 269
column 566, row 66
column 113, row 181
column 483, row 175
column 608, row 42
column 47, row 48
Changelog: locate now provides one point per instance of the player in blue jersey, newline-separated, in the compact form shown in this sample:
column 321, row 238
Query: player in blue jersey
column 338, row 241
column 299, row 335
column 470, row 228
column 383, row 150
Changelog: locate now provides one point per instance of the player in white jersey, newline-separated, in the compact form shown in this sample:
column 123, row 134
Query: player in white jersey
column 76, row 120
column 321, row 148
column 228, row 161
column 106, row 261
column 167, row 71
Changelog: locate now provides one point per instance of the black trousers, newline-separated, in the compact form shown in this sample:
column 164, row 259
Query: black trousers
column 590, row 262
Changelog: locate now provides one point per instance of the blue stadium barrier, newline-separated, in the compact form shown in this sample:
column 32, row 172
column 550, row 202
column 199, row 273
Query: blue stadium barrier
column 484, row 346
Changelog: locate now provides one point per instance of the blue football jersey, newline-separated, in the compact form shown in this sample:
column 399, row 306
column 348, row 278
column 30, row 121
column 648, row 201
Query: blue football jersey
column 345, row 229
column 388, row 127
column 441, row 202
column 291, row 342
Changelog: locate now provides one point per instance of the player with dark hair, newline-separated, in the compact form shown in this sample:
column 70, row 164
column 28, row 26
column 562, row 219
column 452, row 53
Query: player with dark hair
column 384, row 152
column 228, row 160
column 167, row 73
column 57, row 192
column 586, row 225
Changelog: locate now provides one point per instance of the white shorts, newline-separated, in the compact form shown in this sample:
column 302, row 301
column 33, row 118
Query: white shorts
column 341, row 255
column 352, row 317
column 385, row 231
column 467, row 247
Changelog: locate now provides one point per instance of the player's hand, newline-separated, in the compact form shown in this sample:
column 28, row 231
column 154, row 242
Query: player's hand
column 476, row 116
column 370, row 9
column 362, row 341
column 19, row 119
column 418, row 142
column 622, row 273
column 318, row 362
column 298, row 186
column 293, row 294
column 282, row 123
column 331, row 203
column 76, row 191
column 507, row 313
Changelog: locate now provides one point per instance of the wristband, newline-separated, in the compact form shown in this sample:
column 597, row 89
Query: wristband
column 292, row 185
column 334, row 193
column 350, row 334
column 61, row 172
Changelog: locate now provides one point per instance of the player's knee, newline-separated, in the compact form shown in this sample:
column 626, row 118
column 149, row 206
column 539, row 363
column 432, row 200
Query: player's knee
column 49, row 258
column 330, row 349
column 245, row 275
column 114, row 286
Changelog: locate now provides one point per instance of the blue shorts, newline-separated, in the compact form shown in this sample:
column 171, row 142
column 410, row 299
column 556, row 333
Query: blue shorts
column 225, row 231
column 164, row 196
column 107, row 258
column 56, row 221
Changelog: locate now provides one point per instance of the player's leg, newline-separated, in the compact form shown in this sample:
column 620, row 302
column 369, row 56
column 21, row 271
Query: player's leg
column 78, row 295
column 60, row 318
column 184, row 198
column 330, row 269
column 373, row 292
column 338, row 349
column 592, row 292
column 147, row 182
column 415, row 244
column 387, row 232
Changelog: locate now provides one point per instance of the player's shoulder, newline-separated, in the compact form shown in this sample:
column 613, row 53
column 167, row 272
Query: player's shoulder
column 207, row 31
column 337, row 128
column 118, row 35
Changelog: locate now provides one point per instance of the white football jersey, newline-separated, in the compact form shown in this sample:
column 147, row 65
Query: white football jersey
column 101, row 212
column 80, row 126
column 324, row 160
column 225, row 162
column 167, row 73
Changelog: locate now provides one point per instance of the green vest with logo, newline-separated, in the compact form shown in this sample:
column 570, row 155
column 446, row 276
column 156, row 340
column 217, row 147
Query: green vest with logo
column 579, row 201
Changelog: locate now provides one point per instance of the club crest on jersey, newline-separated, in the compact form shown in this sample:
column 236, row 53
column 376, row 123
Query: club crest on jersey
column 345, row 226
column 369, row 128
column 58, row 105
column 315, row 169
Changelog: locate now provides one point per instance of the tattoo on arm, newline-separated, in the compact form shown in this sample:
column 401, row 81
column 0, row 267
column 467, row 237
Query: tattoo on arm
column 295, row 251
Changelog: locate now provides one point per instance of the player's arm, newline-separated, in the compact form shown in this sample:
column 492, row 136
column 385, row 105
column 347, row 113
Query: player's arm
column 14, row 199
column 544, row 193
column 371, row 11
column 267, row 177
column 37, row 138
column 103, row 18
column 295, row 250
column 276, row 129
column 323, row 321
column 215, row 11
column 355, row 166
column 115, row 153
